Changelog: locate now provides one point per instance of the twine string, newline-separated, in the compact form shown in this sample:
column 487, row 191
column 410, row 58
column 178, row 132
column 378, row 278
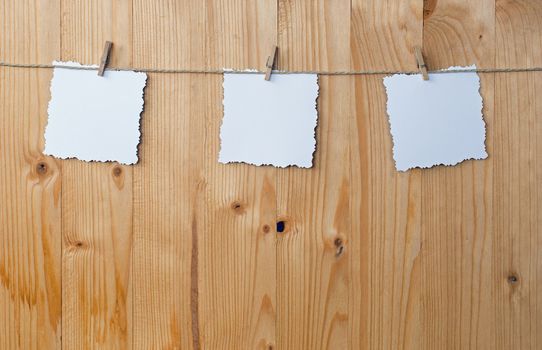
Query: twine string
column 319, row 72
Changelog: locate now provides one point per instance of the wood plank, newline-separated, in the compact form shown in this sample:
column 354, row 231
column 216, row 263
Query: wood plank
column 238, row 250
column 166, row 190
column 386, row 245
column 223, row 34
column 517, row 225
column 217, row 288
column 457, row 226
column 459, row 32
column 236, row 246
column 30, row 206
column 240, row 34
column 181, row 252
column 386, row 205
column 97, row 217
column 313, row 35
column 313, row 251
column 166, row 187
column 384, row 32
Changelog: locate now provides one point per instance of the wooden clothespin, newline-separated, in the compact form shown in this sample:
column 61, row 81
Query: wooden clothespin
column 105, row 58
column 270, row 63
column 420, row 62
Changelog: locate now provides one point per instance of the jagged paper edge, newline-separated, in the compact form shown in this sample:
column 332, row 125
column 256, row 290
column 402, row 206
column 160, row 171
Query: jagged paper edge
column 314, row 143
column 248, row 70
column 60, row 64
column 473, row 66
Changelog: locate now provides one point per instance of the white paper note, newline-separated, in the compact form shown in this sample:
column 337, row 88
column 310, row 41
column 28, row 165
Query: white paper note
column 269, row 122
column 435, row 122
column 94, row 118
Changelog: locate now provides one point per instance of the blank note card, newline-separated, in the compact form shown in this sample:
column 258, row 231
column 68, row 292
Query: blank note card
column 269, row 122
column 435, row 122
column 94, row 118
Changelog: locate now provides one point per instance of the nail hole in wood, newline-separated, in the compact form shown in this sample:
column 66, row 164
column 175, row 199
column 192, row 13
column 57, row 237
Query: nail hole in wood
column 281, row 226
column 266, row 228
column 512, row 279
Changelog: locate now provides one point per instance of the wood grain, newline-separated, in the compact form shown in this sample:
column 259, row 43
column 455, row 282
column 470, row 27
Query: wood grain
column 385, row 204
column 459, row 32
column 237, row 240
column 386, row 242
column 167, row 186
column 165, row 193
column 457, row 201
column 236, row 247
column 313, row 35
column 517, row 204
column 97, row 198
column 181, row 252
column 383, row 34
column 30, row 186
column 312, row 253
column 204, row 249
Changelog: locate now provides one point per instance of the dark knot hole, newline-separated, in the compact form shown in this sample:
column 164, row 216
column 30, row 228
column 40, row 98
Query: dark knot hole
column 281, row 226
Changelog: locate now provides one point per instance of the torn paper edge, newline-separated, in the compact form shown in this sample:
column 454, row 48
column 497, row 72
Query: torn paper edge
column 314, row 142
column 60, row 64
column 452, row 68
column 256, row 71
column 63, row 64
column 248, row 70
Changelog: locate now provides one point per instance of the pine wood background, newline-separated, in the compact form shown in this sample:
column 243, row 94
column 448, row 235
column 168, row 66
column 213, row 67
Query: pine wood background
column 180, row 252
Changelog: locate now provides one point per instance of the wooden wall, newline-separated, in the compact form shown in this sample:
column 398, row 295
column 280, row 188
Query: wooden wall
column 180, row 252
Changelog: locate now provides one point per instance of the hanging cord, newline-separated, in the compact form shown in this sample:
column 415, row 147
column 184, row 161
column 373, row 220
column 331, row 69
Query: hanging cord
column 222, row 71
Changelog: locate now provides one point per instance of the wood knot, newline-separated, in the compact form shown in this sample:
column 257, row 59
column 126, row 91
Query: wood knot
column 428, row 8
column 266, row 228
column 281, row 226
column 75, row 246
column 42, row 168
column 237, row 208
column 513, row 279
column 117, row 171
column 339, row 247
